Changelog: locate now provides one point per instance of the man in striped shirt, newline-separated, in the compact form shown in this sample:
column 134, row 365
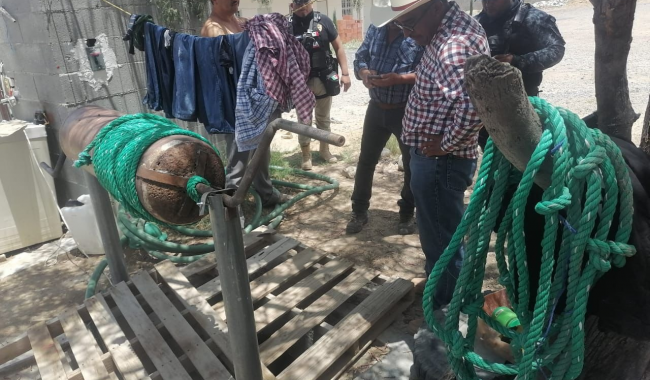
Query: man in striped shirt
column 441, row 126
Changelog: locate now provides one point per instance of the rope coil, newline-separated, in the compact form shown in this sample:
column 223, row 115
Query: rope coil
column 589, row 183
column 116, row 153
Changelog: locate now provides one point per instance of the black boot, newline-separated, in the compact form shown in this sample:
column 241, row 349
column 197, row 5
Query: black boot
column 406, row 224
column 355, row 225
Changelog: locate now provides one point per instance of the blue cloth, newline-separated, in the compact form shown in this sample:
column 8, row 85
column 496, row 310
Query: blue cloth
column 160, row 70
column 254, row 106
column 207, row 72
column 401, row 56
column 438, row 185
column 184, row 105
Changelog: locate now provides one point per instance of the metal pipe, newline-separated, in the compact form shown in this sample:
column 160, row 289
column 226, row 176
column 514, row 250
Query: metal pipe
column 305, row 130
column 265, row 144
column 56, row 171
column 107, row 229
column 233, row 271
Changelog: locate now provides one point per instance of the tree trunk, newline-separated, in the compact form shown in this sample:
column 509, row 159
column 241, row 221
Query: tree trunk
column 498, row 94
column 613, row 21
column 645, row 134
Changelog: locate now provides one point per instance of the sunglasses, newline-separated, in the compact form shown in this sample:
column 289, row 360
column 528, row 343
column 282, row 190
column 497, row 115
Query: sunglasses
column 410, row 28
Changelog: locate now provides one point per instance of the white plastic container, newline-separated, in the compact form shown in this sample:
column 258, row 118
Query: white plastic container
column 28, row 209
column 81, row 222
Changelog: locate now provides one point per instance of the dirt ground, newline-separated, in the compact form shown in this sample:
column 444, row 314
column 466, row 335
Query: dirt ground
column 46, row 289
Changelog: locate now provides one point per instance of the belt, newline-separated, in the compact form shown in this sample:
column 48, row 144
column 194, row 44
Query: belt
column 389, row 106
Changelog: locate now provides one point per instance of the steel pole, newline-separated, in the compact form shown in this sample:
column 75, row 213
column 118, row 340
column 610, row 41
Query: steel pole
column 233, row 271
column 107, row 229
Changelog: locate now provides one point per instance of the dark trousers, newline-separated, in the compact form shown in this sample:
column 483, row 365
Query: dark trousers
column 439, row 185
column 378, row 125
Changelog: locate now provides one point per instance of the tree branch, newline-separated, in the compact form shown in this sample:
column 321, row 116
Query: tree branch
column 645, row 134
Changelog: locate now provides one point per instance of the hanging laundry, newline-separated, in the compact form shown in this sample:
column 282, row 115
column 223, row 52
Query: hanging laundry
column 135, row 32
column 254, row 105
column 207, row 71
column 184, row 104
column 160, row 70
column 282, row 62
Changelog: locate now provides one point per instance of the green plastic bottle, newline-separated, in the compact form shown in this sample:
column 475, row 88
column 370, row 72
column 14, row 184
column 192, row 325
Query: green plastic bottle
column 506, row 317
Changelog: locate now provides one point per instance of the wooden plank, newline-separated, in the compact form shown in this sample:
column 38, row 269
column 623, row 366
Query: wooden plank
column 312, row 316
column 255, row 263
column 284, row 302
column 14, row 349
column 45, row 352
column 207, row 318
column 320, row 356
column 276, row 277
column 206, row 363
column 162, row 357
column 84, row 347
column 343, row 364
column 126, row 361
column 253, row 241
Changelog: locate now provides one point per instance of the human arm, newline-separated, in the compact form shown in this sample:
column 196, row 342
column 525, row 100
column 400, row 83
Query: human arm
column 466, row 123
column 343, row 62
column 547, row 36
column 362, row 58
column 393, row 79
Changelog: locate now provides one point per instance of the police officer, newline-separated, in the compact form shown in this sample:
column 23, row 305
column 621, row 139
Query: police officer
column 523, row 36
column 318, row 31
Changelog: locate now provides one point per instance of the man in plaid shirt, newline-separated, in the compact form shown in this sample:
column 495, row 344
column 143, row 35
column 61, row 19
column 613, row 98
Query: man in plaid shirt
column 441, row 125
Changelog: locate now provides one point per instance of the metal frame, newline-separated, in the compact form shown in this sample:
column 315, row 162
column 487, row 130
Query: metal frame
column 223, row 206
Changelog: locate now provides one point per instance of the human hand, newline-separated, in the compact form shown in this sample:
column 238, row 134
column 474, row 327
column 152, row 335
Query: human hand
column 433, row 147
column 345, row 82
column 364, row 73
column 505, row 58
column 387, row 80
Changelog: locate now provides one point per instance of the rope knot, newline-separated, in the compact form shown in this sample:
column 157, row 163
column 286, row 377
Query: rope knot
column 191, row 187
column 590, row 162
column 599, row 254
column 554, row 205
column 83, row 160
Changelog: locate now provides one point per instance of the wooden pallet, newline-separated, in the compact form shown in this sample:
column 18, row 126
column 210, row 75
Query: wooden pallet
column 315, row 314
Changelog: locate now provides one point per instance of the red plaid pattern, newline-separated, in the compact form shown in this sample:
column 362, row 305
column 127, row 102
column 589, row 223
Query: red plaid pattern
column 283, row 63
column 438, row 103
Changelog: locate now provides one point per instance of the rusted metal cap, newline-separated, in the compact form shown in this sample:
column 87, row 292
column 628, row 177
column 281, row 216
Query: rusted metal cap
column 163, row 172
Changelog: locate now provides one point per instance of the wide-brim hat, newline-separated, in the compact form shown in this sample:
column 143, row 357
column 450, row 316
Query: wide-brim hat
column 403, row 7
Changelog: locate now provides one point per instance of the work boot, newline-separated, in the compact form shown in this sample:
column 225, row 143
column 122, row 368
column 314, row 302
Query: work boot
column 355, row 225
column 406, row 225
column 277, row 198
column 306, row 157
column 325, row 153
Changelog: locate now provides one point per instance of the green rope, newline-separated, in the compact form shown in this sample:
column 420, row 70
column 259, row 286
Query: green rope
column 116, row 153
column 589, row 183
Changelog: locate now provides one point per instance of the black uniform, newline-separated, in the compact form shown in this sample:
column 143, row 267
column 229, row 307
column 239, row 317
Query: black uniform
column 531, row 36
column 327, row 33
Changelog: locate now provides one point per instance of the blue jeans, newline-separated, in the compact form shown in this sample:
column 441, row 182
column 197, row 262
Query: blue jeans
column 160, row 70
column 438, row 185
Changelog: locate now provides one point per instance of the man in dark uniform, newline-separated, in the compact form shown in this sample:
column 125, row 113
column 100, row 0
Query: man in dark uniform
column 322, row 29
column 523, row 36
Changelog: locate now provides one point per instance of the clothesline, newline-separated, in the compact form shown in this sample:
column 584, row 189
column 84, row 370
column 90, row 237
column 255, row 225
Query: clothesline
column 275, row 74
column 116, row 7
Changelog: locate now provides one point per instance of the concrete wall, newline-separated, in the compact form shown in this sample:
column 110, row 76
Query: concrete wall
column 44, row 52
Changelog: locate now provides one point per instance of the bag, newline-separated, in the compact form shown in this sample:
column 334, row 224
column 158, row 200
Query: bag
column 332, row 83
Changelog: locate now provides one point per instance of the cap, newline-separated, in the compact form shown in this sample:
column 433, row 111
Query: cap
column 403, row 7
column 301, row 2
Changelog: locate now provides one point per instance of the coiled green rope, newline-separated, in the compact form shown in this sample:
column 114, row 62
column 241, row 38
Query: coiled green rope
column 590, row 182
column 116, row 153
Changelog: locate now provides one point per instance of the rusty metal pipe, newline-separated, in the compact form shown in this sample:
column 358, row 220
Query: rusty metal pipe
column 163, row 170
column 265, row 144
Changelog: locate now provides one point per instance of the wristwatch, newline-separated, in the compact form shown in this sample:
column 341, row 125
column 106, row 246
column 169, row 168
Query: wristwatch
column 346, row 75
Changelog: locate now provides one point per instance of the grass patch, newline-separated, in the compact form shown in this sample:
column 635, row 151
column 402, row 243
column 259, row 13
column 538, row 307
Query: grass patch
column 393, row 145
column 348, row 156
